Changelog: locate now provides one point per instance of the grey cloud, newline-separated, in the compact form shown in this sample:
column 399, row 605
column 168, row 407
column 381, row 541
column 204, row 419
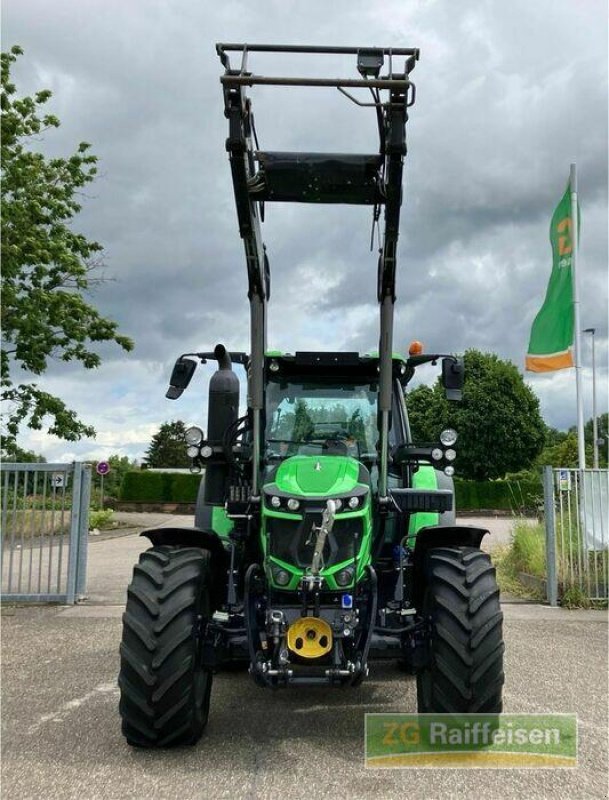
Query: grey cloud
column 508, row 95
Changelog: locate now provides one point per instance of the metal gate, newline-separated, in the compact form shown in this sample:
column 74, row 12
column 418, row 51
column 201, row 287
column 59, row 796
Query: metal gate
column 45, row 528
column 577, row 532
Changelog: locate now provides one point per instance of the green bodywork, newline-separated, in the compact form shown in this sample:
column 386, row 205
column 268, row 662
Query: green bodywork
column 322, row 477
column 301, row 477
column 316, row 476
column 220, row 523
column 424, row 478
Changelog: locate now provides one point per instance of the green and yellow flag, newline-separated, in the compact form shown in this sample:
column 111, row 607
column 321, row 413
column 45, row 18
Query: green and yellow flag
column 551, row 342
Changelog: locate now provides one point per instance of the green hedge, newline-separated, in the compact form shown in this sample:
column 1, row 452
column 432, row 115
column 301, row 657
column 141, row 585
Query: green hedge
column 500, row 495
column 176, row 487
column 159, row 487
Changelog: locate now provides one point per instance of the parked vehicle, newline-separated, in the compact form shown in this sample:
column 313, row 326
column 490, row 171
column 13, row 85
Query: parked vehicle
column 323, row 534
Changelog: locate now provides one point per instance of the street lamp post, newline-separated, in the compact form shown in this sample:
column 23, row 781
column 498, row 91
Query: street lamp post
column 592, row 331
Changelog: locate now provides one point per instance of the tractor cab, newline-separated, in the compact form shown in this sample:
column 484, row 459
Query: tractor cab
column 321, row 404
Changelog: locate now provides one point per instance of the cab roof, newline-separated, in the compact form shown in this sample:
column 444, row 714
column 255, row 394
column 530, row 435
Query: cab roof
column 330, row 363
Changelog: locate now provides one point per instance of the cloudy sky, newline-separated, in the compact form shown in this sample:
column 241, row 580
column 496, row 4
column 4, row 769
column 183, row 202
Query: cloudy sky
column 508, row 95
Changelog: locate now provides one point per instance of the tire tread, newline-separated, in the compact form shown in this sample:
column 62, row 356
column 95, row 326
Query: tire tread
column 161, row 680
column 465, row 670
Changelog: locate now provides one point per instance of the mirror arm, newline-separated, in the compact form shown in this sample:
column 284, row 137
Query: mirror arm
column 431, row 358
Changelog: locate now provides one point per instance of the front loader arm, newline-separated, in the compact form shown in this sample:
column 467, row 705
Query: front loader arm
column 319, row 178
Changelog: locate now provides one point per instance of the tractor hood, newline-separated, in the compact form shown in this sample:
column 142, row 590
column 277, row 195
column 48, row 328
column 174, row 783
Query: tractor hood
column 319, row 475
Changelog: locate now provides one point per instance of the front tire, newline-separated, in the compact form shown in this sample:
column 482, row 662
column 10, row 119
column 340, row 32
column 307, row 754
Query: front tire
column 165, row 689
column 464, row 671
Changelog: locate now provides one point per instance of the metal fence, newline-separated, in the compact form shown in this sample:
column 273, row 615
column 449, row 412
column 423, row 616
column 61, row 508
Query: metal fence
column 45, row 527
column 577, row 533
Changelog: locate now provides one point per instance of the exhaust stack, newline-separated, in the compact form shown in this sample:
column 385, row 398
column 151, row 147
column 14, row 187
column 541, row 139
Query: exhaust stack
column 223, row 411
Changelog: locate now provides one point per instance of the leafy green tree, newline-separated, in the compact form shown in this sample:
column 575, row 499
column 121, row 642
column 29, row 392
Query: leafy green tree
column 554, row 437
column 562, row 454
column 561, row 446
column 119, row 466
column 168, row 447
column 20, row 456
column 46, row 266
column 303, row 423
column 499, row 425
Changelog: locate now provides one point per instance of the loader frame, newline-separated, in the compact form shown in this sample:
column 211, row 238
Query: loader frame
column 392, row 115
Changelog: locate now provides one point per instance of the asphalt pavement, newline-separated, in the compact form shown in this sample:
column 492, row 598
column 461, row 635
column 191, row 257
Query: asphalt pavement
column 61, row 731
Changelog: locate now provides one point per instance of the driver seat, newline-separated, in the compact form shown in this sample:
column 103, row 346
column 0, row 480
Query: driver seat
column 335, row 447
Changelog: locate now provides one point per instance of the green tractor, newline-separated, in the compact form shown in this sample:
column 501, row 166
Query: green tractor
column 324, row 536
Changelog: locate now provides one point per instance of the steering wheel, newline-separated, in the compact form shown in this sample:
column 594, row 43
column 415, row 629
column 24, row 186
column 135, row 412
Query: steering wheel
column 337, row 442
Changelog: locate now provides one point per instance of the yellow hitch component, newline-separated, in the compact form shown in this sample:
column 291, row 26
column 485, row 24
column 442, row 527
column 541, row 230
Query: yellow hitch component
column 310, row 637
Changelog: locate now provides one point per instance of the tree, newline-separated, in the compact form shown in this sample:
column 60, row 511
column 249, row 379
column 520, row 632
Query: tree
column 168, row 447
column 47, row 267
column 21, row 456
column 561, row 448
column 561, row 454
column 554, row 437
column 499, row 425
column 119, row 466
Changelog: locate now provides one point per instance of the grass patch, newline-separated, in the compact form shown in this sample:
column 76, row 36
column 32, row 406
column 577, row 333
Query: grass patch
column 102, row 520
column 31, row 523
column 527, row 554
column 507, row 576
column 575, row 597
column 528, row 551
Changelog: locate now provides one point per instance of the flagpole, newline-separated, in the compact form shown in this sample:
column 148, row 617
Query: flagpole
column 581, row 450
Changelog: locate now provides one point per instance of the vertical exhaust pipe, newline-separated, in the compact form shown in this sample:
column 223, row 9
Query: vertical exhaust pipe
column 223, row 411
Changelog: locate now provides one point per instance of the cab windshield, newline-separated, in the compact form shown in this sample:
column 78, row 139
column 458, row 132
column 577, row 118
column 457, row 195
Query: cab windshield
column 321, row 417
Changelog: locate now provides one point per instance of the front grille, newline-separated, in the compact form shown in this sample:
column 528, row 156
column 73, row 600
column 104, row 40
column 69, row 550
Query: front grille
column 292, row 540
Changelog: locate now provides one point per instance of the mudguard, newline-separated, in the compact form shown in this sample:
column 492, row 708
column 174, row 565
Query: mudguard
column 195, row 537
column 444, row 536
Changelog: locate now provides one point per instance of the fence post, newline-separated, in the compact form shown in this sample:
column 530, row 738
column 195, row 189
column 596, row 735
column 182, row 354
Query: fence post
column 83, row 533
column 74, row 532
column 550, row 521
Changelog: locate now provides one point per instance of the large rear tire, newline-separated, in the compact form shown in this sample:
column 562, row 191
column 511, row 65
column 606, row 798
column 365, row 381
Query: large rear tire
column 464, row 672
column 165, row 689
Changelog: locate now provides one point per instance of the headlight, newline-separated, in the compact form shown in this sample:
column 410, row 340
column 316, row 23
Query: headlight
column 353, row 502
column 437, row 454
column 450, row 455
column 344, row 577
column 206, row 451
column 192, row 451
column 338, row 504
column 293, row 504
column 450, row 471
column 193, row 435
column 281, row 576
column 448, row 437
column 275, row 501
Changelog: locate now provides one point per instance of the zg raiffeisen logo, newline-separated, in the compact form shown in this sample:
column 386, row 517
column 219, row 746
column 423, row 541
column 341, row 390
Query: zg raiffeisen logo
column 495, row 741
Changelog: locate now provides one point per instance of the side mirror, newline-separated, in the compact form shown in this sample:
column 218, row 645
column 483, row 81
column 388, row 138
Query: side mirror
column 181, row 374
column 453, row 375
